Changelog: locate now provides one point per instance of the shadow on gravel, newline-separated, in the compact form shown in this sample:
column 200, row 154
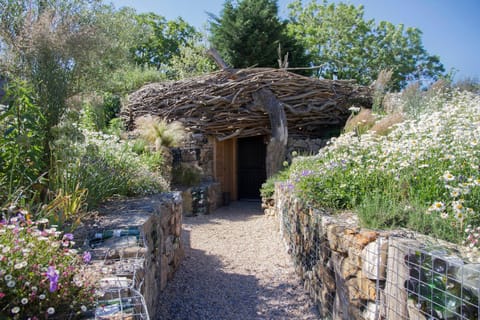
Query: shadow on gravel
column 201, row 290
column 236, row 211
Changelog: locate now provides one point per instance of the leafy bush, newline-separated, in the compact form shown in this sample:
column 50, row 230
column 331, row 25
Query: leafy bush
column 111, row 106
column 191, row 61
column 268, row 188
column 21, row 142
column 116, row 127
column 41, row 276
column 414, row 100
column 423, row 174
column 132, row 77
column 105, row 165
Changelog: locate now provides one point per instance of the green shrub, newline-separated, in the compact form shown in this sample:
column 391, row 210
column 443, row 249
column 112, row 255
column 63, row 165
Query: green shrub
column 116, row 127
column 93, row 113
column 105, row 165
column 132, row 77
column 111, row 105
column 21, row 143
column 268, row 188
column 187, row 175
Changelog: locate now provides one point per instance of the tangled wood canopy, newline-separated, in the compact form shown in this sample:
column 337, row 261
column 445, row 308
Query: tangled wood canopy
column 222, row 103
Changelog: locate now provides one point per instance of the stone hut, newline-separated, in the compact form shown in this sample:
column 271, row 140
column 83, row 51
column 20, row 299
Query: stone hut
column 244, row 123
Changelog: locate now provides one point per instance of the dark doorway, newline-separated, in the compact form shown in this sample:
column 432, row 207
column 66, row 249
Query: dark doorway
column 251, row 167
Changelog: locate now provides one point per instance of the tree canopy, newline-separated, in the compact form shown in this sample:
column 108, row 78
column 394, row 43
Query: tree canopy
column 348, row 46
column 163, row 41
column 249, row 33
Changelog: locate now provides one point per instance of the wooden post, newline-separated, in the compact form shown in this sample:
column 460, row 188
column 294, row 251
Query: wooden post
column 265, row 100
column 397, row 273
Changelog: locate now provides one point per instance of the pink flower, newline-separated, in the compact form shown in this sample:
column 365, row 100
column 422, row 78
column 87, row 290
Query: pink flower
column 2, row 295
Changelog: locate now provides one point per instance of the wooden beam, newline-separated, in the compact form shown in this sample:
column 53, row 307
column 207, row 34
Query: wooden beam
column 233, row 135
column 212, row 52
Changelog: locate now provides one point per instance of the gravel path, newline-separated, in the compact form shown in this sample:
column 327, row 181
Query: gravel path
column 235, row 267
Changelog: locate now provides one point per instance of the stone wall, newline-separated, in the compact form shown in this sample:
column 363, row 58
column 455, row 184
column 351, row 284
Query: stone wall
column 205, row 195
column 198, row 152
column 354, row 273
column 304, row 146
column 162, row 230
column 202, row 199
column 141, row 257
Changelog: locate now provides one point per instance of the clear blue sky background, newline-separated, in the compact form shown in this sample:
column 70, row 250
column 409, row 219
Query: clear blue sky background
column 451, row 28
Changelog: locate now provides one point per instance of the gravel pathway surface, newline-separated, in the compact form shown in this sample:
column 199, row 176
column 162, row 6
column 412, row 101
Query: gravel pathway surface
column 235, row 267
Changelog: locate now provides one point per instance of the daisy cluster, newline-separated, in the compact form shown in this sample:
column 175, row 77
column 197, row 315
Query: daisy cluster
column 430, row 163
column 41, row 276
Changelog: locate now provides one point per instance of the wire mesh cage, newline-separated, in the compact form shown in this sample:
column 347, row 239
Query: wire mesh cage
column 367, row 274
column 440, row 285
column 117, row 259
column 118, row 255
column 121, row 303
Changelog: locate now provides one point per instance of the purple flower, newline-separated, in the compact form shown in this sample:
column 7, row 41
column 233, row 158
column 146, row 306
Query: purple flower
column 53, row 276
column 306, row 173
column 87, row 257
column 68, row 236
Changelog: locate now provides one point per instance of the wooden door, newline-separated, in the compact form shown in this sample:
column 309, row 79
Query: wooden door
column 251, row 167
column 225, row 166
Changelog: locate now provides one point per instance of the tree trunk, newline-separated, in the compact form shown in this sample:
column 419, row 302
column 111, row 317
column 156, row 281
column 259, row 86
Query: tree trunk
column 265, row 100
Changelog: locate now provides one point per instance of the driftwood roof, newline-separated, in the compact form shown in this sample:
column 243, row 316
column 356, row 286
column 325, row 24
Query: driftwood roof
column 221, row 103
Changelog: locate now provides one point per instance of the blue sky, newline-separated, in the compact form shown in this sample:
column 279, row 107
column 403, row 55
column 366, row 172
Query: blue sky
column 451, row 28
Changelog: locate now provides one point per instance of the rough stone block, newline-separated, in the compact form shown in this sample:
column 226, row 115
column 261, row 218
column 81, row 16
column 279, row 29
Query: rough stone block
column 374, row 259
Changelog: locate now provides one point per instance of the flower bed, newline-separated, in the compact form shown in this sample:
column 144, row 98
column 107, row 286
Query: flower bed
column 41, row 276
column 424, row 174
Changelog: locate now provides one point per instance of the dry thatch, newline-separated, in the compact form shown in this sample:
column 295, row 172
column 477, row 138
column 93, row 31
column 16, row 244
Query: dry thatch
column 221, row 103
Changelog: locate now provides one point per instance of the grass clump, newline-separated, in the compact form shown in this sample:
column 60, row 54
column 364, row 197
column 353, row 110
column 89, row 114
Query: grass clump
column 159, row 133
column 361, row 122
column 387, row 123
